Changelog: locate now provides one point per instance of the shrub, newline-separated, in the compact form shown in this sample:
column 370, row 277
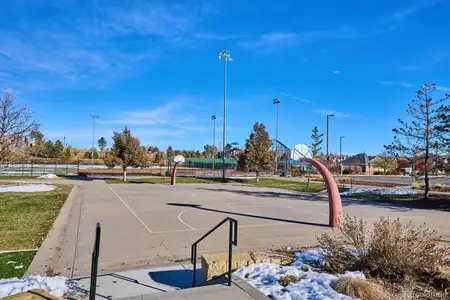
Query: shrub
column 361, row 289
column 415, row 186
column 391, row 250
column 377, row 173
column 346, row 171
column 88, row 154
column 439, row 186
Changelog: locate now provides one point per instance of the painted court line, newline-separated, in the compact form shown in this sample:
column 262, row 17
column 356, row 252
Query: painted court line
column 131, row 210
column 179, row 218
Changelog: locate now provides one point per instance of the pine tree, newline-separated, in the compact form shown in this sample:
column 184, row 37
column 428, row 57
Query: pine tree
column 317, row 141
column 424, row 134
column 102, row 143
column 170, row 152
column 58, row 149
column 257, row 156
column 126, row 152
column 48, row 149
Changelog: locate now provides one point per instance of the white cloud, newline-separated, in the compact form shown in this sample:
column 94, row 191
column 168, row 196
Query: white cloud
column 275, row 41
column 399, row 83
column 336, row 72
column 443, row 88
column 332, row 112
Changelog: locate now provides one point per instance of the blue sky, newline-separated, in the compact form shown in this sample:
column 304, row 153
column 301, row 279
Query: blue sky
column 152, row 65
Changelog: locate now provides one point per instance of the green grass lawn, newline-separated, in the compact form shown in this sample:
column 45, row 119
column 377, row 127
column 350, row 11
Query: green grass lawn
column 26, row 218
column 15, row 264
column 11, row 177
column 264, row 182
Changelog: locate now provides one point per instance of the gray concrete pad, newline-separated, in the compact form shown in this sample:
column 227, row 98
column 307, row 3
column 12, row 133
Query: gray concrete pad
column 148, row 225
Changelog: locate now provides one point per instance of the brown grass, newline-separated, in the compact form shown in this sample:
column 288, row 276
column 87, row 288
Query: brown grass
column 284, row 281
column 362, row 289
column 391, row 251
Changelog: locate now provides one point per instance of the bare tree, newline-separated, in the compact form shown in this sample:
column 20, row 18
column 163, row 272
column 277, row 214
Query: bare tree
column 16, row 124
column 421, row 139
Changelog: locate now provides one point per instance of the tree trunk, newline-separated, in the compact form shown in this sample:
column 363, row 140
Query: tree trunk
column 427, row 181
column 124, row 174
column 257, row 176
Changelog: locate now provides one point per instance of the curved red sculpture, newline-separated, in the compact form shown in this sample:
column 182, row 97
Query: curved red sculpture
column 173, row 179
column 334, row 198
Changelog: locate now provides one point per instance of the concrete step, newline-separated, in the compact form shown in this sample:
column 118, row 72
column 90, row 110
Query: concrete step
column 161, row 283
column 239, row 290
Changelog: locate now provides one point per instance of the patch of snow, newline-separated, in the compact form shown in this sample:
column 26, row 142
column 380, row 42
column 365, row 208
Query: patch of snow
column 54, row 285
column 313, row 284
column 382, row 191
column 356, row 274
column 18, row 267
column 49, row 176
column 27, row 188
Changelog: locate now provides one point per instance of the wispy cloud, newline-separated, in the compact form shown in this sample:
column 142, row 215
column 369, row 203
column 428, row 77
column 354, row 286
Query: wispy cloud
column 275, row 41
column 336, row 72
column 443, row 88
column 337, row 114
column 399, row 83
column 92, row 48
column 293, row 97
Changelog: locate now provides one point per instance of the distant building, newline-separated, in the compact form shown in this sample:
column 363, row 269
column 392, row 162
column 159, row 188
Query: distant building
column 359, row 163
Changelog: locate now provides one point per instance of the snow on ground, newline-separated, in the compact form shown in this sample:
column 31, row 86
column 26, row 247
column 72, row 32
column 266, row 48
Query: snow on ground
column 49, row 176
column 54, row 285
column 313, row 284
column 27, row 188
column 381, row 191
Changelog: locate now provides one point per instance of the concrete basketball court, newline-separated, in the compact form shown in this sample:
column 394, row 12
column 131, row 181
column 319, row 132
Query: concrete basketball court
column 149, row 225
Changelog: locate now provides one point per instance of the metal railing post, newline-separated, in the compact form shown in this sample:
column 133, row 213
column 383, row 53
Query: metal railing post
column 94, row 264
column 194, row 263
column 230, row 253
column 232, row 242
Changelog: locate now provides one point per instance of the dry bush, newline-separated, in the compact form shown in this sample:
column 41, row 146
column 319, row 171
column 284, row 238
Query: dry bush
column 391, row 250
column 361, row 289
column 284, row 281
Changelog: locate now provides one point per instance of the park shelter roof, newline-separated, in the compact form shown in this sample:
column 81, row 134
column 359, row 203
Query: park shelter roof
column 207, row 161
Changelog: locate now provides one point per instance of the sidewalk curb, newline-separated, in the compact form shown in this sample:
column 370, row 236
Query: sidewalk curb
column 49, row 251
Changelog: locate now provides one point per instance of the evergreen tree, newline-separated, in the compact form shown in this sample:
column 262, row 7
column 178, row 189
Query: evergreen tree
column 48, row 149
column 257, row 156
column 58, row 149
column 126, row 152
column 102, row 143
column 68, row 152
column 422, row 138
column 170, row 152
column 317, row 141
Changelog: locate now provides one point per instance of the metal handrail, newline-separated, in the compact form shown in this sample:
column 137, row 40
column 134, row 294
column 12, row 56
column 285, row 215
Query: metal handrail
column 94, row 264
column 231, row 242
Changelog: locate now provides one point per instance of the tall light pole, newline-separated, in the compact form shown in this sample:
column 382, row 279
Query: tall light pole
column 225, row 55
column 93, row 117
column 340, row 152
column 213, row 118
column 328, row 135
column 276, row 101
